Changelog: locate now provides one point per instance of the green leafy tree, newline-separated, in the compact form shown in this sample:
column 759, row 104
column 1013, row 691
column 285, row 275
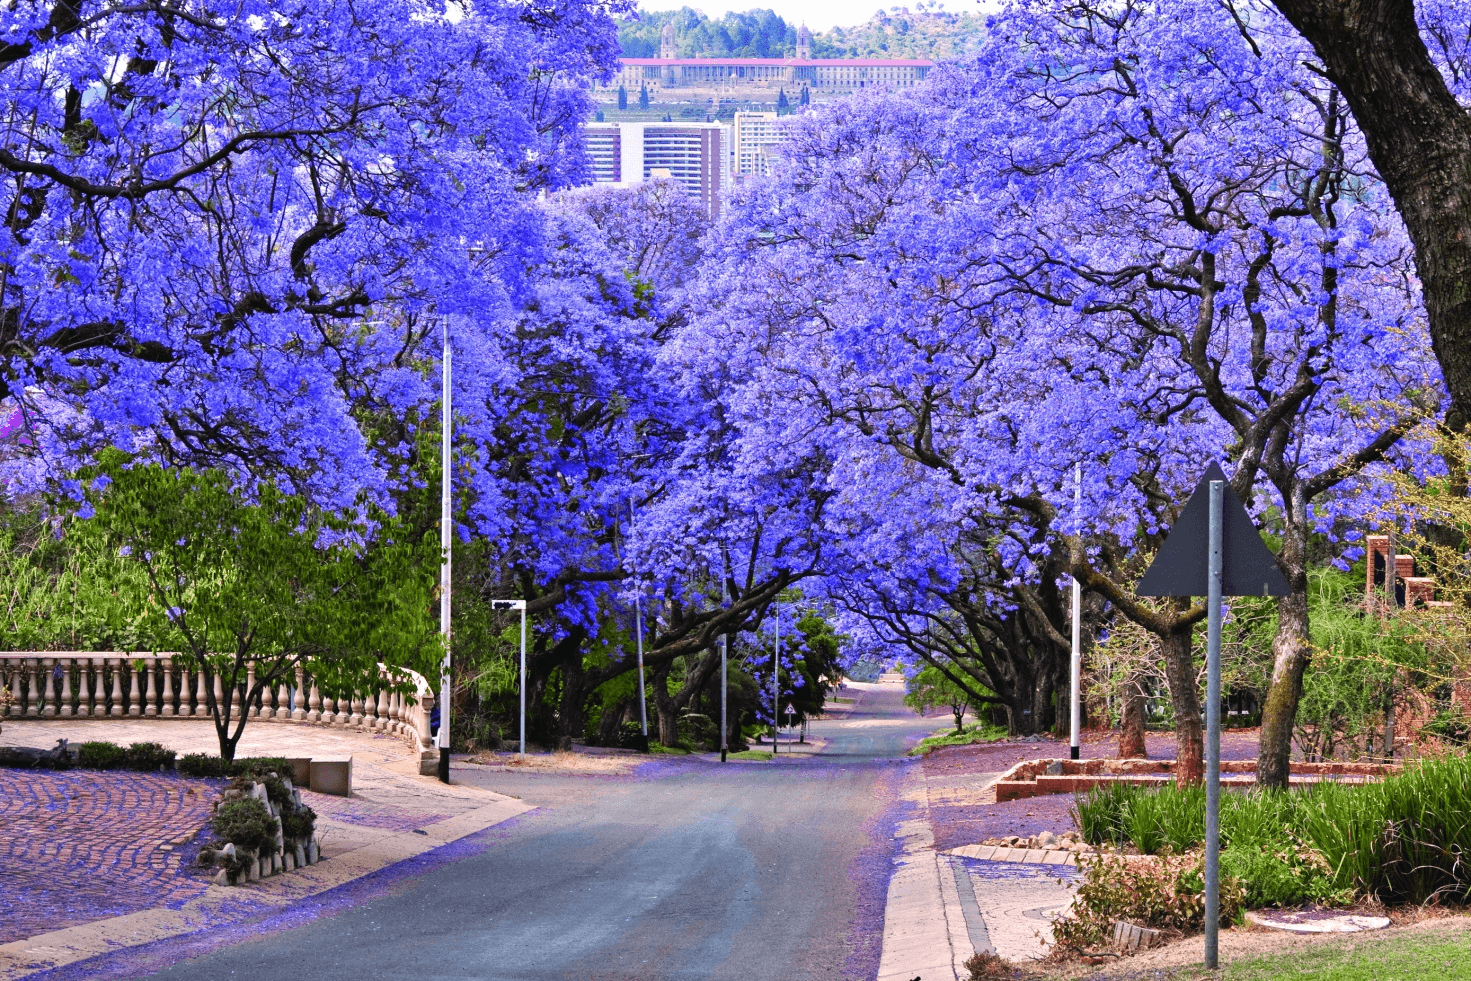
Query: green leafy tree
column 929, row 689
column 622, row 97
column 782, row 103
column 269, row 584
column 643, row 95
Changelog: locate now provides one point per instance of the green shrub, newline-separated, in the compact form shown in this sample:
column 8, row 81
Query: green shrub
column 147, row 757
column 1099, row 812
column 245, row 822
column 1166, row 893
column 1282, row 876
column 202, row 765
column 1153, row 819
column 101, row 756
column 298, row 824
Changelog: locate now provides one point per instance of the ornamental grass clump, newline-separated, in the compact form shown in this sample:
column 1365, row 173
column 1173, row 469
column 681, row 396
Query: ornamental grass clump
column 1403, row 840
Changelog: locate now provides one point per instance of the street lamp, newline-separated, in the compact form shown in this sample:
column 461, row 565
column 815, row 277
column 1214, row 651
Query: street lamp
column 518, row 605
column 444, row 569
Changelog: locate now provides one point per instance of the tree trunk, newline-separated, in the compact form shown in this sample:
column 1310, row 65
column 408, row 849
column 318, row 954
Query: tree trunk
column 666, row 709
column 1189, row 734
column 1419, row 138
column 1290, row 651
column 1131, row 729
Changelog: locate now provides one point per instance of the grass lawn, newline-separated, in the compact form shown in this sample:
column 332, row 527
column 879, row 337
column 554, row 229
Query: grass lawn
column 656, row 748
column 980, row 732
column 749, row 754
column 1390, row 958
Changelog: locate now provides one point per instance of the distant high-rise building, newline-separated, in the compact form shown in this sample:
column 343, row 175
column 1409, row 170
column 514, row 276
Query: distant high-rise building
column 755, row 134
column 697, row 155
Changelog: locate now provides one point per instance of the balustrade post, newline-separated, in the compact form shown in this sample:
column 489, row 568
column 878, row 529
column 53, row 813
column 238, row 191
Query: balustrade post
column 17, row 669
column 298, row 713
column 382, row 722
column 283, row 700
column 252, row 704
column 343, row 704
column 329, row 710
column 33, row 693
column 201, row 698
column 99, row 687
column 314, row 704
column 426, row 710
column 166, row 679
column 66, row 686
column 135, row 688
column 357, row 709
column 115, row 687
column 220, row 693
column 48, row 698
column 395, row 712
column 150, row 690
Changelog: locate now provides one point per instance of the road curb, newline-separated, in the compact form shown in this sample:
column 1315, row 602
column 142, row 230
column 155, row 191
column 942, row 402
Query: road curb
column 62, row 947
column 924, row 928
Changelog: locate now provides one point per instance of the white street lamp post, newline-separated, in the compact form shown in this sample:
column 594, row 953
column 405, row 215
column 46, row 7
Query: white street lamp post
column 444, row 570
column 518, row 605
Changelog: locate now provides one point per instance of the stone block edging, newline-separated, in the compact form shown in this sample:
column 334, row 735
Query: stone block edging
column 1035, row 778
column 1029, row 856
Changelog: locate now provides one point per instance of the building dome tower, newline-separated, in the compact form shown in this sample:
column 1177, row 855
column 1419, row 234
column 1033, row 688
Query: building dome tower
column 666, row 42
column 804, row 44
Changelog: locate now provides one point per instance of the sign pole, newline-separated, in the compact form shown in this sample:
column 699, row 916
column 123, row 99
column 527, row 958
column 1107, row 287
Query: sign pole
column 444, row 570
column 1213, row 729
column 1076, row 707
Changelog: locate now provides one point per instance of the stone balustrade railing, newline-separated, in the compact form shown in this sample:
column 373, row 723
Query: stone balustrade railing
column 115, row 684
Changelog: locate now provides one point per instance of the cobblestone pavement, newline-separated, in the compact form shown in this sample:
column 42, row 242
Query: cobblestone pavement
column 82, row 845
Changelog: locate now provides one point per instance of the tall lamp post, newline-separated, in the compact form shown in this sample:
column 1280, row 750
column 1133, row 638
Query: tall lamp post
column 724, row 678
column 776, row 680
column 1075, row 712
column 444, row 569
column 518, row 605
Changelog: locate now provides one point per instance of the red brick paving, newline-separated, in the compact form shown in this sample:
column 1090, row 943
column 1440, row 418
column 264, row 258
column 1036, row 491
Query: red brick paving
column 81, row 845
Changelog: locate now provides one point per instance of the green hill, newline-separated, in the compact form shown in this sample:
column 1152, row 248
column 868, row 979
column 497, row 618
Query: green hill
column 901, row 32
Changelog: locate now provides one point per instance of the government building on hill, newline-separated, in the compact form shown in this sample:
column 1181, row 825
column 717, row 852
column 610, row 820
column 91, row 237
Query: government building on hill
column 668, row 78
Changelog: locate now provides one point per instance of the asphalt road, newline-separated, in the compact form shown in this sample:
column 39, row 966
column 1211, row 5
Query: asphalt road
column 691, row 869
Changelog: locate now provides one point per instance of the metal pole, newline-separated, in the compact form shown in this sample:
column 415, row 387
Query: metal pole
column 775, row 679
column 724, row 678
column 1076, row 708
column 1391, row 604
column 638, row 627
column 522, row 680
column 1213, row 731
column 444, row 570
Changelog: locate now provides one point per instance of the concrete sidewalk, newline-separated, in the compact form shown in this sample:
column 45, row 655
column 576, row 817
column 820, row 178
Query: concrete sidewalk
column 944, row 907
column 393, row 814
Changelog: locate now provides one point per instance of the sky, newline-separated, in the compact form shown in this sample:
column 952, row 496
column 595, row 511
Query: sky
column 819, row 15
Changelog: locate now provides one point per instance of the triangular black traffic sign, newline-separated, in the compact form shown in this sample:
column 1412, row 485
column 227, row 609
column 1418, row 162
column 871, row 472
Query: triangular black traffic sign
column 1248, row 567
